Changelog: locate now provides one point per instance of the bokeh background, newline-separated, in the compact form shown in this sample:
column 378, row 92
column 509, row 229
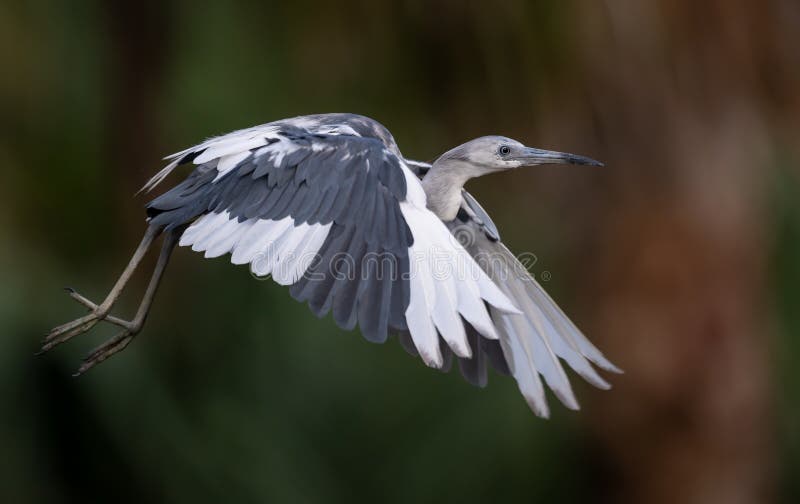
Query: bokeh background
column 680, row 259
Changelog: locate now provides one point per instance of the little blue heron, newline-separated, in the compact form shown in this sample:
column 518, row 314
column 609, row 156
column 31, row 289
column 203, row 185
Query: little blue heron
column 327, row 205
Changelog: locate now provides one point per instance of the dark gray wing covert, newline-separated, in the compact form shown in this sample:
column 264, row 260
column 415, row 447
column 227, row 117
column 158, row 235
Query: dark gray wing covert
column 349, row 184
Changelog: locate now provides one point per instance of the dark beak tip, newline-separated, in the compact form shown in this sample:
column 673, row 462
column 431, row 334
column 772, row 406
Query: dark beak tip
column 588, row 162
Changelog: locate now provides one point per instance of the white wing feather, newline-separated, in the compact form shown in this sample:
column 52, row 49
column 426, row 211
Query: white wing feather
column 439, row 298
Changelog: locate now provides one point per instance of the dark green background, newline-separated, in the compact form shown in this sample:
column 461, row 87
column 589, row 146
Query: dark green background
column 681, row 258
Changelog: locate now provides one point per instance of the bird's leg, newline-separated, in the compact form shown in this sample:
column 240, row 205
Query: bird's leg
column 131, row 328
column 80, row 325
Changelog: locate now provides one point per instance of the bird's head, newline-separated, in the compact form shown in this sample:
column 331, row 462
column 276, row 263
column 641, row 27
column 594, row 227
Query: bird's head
column 497, row 153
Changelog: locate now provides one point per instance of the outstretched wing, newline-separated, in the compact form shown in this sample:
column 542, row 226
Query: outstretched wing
column 327, row 205
column 534, row 340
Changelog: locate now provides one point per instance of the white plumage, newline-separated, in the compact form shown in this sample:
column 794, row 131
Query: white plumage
column 278, row 248
column 439, row 299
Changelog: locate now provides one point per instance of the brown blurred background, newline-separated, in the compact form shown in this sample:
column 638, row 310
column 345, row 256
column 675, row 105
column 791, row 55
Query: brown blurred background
column 681, row 258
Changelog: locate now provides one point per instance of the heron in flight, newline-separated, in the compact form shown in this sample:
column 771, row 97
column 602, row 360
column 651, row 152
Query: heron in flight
column 327, row 205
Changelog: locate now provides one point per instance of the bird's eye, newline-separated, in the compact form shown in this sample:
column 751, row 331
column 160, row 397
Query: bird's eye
column 504, row 150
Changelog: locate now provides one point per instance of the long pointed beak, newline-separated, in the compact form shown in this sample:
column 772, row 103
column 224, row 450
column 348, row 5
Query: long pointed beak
column 532, row 157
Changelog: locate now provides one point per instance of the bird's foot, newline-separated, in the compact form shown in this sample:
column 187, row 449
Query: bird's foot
column 106, row 350
column 80, row 325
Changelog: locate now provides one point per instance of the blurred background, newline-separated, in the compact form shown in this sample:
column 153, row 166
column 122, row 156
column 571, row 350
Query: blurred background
column 680, row 259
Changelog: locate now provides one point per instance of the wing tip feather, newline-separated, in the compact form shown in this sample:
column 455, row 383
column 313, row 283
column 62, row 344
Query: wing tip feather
column 538, row 406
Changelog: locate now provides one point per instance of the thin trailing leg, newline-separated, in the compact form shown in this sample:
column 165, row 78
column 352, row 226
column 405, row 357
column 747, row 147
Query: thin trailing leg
column 130, row 328
column 67, row 331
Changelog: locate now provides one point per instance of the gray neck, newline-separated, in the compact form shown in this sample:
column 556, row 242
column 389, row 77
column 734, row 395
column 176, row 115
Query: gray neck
column 443, row 184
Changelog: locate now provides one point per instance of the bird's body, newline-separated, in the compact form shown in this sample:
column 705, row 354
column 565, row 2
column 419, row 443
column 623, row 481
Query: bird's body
column 327, row 205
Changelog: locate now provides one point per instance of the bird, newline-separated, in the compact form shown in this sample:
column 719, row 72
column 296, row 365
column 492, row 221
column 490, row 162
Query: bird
column 327, row 205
